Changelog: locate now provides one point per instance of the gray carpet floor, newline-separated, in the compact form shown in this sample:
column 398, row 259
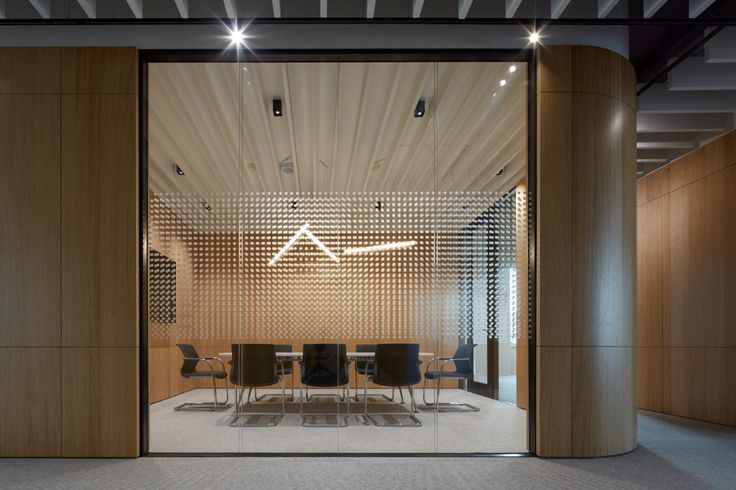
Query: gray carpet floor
column 673, row 453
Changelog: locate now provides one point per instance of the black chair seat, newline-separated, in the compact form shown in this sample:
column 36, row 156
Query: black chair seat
column 206, row 374
column 445, row 374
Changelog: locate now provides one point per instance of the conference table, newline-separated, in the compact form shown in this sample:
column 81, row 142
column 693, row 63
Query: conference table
column 296, row 356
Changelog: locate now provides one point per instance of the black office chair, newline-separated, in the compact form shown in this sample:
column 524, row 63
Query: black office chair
column 365, row 367
column 253, row 366
column 189, row 370
column 395, row 365
column 463, row 361
column 324, row 366
column 286, row 368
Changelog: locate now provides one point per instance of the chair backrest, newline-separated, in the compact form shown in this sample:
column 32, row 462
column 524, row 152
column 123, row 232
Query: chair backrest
column 397, row 364
column 324, row 365
column 464, row 352
column 253, row 365
column 189, row 365
column 362, row 364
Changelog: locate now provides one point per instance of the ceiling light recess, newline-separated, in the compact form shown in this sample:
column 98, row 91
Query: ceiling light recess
column 277, row 108
column 178, row 169
column 380, row 248
column 419, row 109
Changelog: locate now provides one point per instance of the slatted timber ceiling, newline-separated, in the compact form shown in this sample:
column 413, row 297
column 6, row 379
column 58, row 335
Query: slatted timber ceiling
column 346, row 127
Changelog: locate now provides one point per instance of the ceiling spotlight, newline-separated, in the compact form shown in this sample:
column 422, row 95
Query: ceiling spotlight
column 277, row 110
column 502, row 83
column 237, row 36
column 494, row 94
column 419, row 109
column 206, row 205
column 512, row 68
column 179, row 171
column 500, row 171
column 534, row 37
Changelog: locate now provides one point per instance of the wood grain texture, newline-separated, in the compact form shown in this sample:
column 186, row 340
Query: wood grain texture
column 99, row 221
column 698, row 382
column 30, row 70
column 649, row 378
column 703, row 240
column 686, row 270
column 30, row 422
column 99, row 402
column 604, row 400
column 554, row 401
column 603, row 222
column 586, row 263
column 99, row 70
column 29, row 220
column 554, row 219
column 653, row 262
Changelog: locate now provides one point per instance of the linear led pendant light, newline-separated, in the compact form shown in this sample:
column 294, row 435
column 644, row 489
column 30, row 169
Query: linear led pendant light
column 380, row 248
column 304, row 230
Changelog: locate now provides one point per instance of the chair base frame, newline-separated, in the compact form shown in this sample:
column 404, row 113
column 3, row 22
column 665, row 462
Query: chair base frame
column 444, row 406
column 212, row 406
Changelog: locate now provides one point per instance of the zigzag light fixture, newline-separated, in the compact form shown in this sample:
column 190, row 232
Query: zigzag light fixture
column 380, row 248
column 304, row 230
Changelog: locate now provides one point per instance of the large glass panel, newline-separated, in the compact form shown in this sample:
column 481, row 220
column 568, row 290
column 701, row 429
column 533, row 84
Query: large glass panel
column 354, row 230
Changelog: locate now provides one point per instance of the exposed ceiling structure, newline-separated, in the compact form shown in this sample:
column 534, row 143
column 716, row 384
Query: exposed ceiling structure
column 409, row 9
column 343, row 127
column 692, row 104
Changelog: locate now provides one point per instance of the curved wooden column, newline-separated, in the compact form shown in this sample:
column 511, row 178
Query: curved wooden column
column 586, row 165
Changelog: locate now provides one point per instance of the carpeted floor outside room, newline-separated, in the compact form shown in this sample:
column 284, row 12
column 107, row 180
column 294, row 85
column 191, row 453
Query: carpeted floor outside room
column 673, row 453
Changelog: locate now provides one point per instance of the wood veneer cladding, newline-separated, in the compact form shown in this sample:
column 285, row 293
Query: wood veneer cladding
column 586, row 252
column 554, row 401
column 554, row 219
column 603, row 221
column 99, row 220
column 604, row 400
column 99, row 70
column 99, row 401
column 29, row 216
column 687, row 213
column 586, row 69
column 30, row 420
column 30, row 70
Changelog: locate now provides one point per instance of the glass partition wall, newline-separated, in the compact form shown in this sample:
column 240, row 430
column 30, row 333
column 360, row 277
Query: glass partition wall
column 337, row 257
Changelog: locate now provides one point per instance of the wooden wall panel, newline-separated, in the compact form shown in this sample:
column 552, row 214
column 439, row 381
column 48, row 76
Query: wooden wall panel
column 99, row 220
column 99, row 395
column 30, row 422
column 686, row 271
column 554, row 219
column 29, row 219
column 603, row 217
column 604, row 400
column 554, row 400
column 99, row 70
column 586, row 262
column 30, row 70
column 649, row 378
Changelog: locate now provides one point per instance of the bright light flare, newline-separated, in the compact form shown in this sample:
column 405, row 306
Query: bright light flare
column 534, row 37
column 237, row 36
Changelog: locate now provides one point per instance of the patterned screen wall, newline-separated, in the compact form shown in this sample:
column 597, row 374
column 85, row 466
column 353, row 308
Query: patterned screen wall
column 279, row 265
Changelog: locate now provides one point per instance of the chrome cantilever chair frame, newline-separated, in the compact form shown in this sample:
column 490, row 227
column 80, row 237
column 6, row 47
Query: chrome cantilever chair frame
column 275, row 418
column 412, row 415
column 204, row 406
column 444, row 406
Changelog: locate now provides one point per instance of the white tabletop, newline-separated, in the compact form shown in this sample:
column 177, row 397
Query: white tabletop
column 350, row 354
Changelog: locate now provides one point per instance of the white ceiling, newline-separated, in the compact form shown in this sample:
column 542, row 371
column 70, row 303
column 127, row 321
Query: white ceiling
column 346, row 127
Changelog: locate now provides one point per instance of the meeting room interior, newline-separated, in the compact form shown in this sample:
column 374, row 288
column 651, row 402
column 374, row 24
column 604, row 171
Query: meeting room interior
column 337, row 256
